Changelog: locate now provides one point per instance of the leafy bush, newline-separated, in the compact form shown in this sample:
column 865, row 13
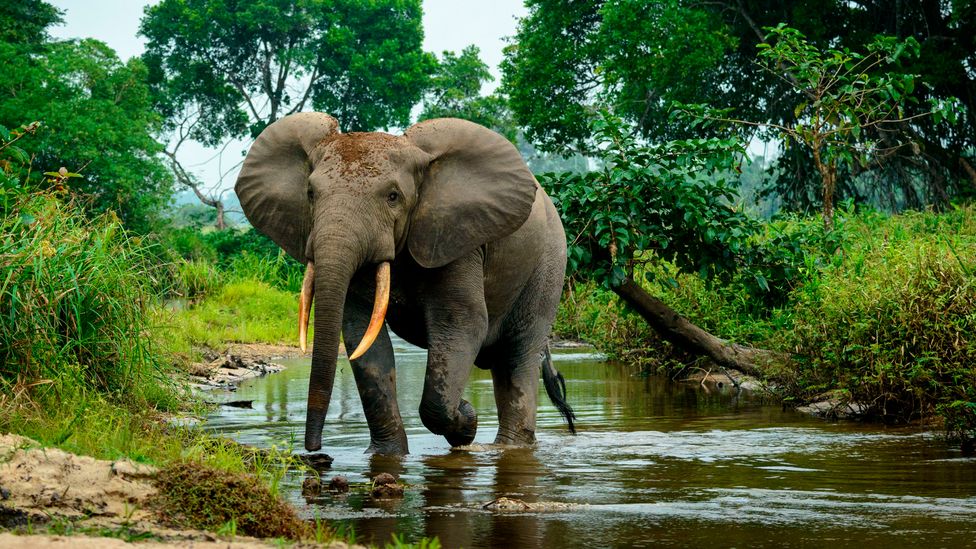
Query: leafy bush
column 879, row 311
column 245, row 311
column 195, row 278
column 233, row 256
column 891, row 326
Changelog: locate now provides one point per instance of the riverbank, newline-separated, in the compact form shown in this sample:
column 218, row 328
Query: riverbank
column 875, row 317
column 49, row 494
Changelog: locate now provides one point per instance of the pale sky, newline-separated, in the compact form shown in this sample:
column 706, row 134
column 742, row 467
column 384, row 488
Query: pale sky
column 448, row 25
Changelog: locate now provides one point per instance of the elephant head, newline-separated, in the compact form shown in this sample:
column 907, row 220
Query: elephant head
column 341, row 202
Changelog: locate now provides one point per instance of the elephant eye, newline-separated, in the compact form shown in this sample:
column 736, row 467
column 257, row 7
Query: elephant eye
column 393, row 197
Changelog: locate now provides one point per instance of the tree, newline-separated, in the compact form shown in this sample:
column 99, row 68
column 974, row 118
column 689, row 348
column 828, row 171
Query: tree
column 455, row 91
column 640, row 56
column 849, row 102
column 651, row 202
column 96, row 119
column 26, row 22
column 634, row 55
column 225, row 69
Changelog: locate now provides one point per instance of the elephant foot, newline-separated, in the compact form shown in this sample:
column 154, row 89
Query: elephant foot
column 464, row 428
column 396, row 447
column 521, row 437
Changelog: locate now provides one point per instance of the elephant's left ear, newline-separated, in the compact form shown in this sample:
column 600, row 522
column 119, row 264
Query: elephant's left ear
column 476, row 189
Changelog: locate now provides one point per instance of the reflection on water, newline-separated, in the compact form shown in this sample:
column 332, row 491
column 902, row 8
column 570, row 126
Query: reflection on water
column 655, row 463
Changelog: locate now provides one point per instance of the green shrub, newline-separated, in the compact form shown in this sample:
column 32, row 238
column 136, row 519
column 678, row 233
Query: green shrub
column 279, row 271
column 198, row 496
column 74, row 296
column 891, row 326
column 195, row 278
column 246, row 311
column 880, row 311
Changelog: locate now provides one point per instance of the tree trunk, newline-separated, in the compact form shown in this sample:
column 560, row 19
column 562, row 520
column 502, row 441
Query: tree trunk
column 680, row 332
column 828, row 173
column 219, row 204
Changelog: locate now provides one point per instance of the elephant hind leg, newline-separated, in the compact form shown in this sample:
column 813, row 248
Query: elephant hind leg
column 516, row 387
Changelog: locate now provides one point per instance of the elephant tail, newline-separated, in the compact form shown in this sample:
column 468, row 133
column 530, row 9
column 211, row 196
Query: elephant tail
column 556, row 388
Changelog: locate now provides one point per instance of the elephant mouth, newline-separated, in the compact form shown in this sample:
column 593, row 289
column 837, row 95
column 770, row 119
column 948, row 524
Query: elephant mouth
column 380, row 303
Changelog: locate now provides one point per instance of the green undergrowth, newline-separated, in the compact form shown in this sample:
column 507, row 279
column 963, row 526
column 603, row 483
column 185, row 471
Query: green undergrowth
column 245, row 311
column 198, row 496
column 881, row 311
column 86, row 365
column 77, row 369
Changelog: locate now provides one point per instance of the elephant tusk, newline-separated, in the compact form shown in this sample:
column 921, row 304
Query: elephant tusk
column 305, row 304
column 380, row 302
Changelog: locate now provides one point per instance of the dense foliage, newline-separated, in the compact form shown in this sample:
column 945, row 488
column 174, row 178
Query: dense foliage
column 223, row 68
column 94, row 117
column 75, row 297
column 646, row 202
column 455, row 91
column 642, row 56
column 880, row 313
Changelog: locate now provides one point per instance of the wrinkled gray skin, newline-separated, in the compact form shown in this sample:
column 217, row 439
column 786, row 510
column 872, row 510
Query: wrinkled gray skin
column 478, row 257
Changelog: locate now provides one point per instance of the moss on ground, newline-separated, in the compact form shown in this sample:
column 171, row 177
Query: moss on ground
column 197, row 496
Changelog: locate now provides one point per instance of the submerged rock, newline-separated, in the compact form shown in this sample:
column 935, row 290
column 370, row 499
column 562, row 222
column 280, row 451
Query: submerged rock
column 312, row 487
column 506, row 504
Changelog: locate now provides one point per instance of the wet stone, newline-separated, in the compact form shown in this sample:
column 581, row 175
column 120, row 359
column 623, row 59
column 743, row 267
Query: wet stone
column 317, row 461
column 312, row 487
column 506, row 504
column 385, row 487
column 339, row 484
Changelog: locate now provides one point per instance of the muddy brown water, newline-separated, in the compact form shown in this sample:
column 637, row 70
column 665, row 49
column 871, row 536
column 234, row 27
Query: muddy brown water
column 655, row 463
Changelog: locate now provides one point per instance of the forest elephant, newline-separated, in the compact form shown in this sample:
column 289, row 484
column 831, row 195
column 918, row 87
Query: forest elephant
column 443, row 235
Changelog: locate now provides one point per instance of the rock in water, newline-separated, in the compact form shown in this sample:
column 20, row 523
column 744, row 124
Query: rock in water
column 385, row 487
column 339, row 484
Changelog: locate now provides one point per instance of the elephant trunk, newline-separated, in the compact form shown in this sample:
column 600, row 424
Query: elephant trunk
column 336, row 262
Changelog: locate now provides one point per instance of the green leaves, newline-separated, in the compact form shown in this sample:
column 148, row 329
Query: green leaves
column 241, row 65
column 97, row 120
column 455, row 91
column 647, row 201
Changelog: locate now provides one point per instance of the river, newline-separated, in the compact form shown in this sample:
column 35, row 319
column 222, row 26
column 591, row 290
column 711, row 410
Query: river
column 655, row 463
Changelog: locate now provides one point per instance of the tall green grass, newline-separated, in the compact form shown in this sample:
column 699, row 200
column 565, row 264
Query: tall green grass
column 893, row 325
column 77, row 368
column 74, row 300
column 245, row 311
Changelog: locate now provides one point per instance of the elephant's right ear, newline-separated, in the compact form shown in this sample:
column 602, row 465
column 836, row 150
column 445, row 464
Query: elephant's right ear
column 273, row 183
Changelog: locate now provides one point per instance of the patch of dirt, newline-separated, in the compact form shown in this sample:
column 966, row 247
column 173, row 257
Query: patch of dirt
column 43, row 481
column 84, row 542
column 48, row 487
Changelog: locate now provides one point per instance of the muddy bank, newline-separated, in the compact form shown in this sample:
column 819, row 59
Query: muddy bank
column 43, row 488
column 228, row 368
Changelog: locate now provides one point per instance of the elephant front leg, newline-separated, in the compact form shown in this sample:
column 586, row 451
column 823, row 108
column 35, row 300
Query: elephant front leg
column 442, row 409
column 457, row 324
column 376, row 380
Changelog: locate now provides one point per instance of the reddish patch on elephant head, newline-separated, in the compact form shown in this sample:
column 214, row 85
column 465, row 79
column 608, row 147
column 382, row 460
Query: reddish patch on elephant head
column 362, row 153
